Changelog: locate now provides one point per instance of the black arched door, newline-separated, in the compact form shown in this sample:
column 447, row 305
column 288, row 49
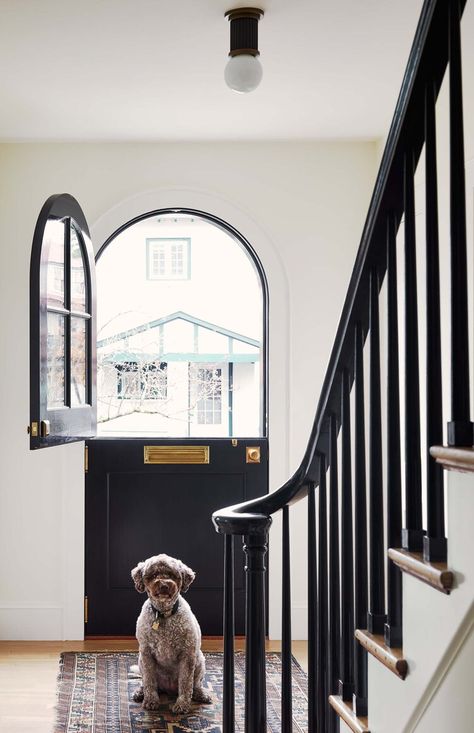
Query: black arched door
column 181, row 408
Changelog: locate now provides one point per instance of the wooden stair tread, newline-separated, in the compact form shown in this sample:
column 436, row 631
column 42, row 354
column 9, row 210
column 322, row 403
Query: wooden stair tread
column 392, row 658
column 454, row 459
column 435, row 574
column 344, row 710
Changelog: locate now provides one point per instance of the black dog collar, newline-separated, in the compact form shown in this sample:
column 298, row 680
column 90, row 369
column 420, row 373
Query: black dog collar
column 161, row 615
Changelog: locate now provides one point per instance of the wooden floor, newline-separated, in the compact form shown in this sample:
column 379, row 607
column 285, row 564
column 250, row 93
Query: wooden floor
column 28, row 671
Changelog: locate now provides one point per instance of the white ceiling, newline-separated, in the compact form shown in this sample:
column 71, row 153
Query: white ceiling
column 153, row 69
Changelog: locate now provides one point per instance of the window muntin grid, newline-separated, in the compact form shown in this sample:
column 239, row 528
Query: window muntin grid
column 168, row 258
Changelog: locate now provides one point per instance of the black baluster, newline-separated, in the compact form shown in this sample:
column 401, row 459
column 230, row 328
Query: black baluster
column 434, row 544
column 412, row 533
column 347, row 572
column 312, row 614
column 376, row 615
column 359, row 702
column 393, row 627
column 460, row 429
column 255, row 548
column 334, row 574
column 286, row 711
column 322, row 624
column 228, row 703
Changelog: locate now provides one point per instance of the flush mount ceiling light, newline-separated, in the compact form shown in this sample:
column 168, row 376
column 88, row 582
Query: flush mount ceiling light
column 243, row 71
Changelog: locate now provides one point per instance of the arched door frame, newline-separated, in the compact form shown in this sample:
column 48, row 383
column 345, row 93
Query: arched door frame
column 278, row 314
column 251, row 253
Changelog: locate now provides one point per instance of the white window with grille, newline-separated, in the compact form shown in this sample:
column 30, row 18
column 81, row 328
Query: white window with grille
column 208, row 388
column 168, row 259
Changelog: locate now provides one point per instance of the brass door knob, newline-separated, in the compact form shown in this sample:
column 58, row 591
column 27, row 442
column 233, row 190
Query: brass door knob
column 252, row 454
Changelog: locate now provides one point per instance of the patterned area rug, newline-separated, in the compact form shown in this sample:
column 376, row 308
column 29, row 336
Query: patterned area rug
column 95, row 696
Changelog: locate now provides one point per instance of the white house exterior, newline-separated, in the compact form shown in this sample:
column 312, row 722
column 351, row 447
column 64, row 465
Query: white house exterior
column 178, row 376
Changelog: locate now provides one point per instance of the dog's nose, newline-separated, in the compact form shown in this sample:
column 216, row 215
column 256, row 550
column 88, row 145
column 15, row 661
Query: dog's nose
column 163, row 585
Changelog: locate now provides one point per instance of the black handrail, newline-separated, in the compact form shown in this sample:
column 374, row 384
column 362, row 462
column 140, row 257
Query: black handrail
column 428, row 60
column 345, row 598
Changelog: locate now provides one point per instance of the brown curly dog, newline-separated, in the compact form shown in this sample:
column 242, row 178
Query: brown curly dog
column 170, row 657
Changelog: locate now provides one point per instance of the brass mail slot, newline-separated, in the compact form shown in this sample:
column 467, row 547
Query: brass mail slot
column 176, row 454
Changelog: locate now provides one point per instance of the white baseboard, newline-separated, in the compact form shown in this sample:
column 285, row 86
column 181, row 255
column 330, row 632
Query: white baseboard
column 31, row 623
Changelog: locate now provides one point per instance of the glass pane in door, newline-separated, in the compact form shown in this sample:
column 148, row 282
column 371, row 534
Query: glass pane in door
column 78, row 274
column 56, row 362
column 54, row 247
column 180, row 332
column 78, row 361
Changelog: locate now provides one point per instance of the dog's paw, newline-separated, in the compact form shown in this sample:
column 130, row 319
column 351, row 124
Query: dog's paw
column 181, row 707
column 151, row 703
column 202, row 697
column 138, row 694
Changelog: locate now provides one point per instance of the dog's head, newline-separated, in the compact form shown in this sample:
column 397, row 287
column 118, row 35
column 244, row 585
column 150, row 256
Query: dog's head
column 163, row 578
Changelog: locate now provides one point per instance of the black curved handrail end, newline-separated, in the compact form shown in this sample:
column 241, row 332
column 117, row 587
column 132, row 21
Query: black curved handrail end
column 230, row 521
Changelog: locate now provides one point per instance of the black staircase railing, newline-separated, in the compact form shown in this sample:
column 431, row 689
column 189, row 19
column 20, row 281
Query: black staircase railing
column 357, row 510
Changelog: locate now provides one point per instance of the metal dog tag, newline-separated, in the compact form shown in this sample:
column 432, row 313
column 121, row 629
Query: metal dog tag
column 155, row 625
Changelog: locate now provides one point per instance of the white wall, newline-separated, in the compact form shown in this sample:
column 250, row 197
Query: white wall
column 450, row 706
column 301, row 205
column 397, row 706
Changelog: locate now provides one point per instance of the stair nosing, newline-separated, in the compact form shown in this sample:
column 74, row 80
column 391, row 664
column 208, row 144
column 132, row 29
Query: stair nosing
column 392, row 658
column 344, row 710
column 454, row 459
column 436, row 575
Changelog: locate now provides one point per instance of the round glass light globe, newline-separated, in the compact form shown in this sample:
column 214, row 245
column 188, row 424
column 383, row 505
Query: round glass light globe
column 243, row 73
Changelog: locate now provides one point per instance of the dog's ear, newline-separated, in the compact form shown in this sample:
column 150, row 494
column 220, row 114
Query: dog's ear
column 137, row 576
column 187, row 576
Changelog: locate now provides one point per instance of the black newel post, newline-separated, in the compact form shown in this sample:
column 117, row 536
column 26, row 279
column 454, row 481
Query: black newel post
column 255, row 548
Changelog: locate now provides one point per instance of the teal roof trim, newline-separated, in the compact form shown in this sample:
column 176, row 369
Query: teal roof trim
column 122, row 357
column 179, row 315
